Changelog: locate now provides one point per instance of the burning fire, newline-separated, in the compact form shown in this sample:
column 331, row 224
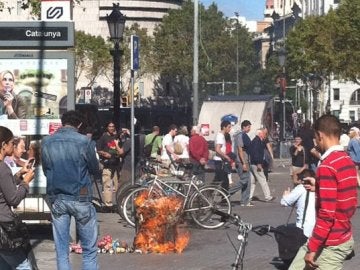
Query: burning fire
column 158, row 223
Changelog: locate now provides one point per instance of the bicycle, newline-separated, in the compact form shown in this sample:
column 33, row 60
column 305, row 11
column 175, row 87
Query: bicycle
column 200, row 201
column 243, row 233
column 145, row 174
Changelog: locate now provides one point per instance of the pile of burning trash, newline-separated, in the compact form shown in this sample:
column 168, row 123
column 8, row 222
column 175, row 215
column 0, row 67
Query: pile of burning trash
column 158, row 228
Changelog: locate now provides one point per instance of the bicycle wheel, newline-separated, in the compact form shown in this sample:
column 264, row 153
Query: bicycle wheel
column 121, row 193
column 128, row 208
column 202, row 206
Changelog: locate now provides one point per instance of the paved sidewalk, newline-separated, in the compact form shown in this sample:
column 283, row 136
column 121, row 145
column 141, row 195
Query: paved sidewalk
column 208, row 249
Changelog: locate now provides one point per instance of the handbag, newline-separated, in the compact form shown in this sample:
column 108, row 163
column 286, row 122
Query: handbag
column 291, row 238
column 14, row 235
column 148, row 148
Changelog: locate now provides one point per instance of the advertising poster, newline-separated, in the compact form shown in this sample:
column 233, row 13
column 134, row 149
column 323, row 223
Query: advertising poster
column 31, row 109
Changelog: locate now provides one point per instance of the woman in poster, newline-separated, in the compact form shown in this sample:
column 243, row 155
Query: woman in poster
column 11, row 104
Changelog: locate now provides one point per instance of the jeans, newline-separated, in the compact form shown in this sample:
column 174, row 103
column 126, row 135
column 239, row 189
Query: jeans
column 86, row 226
column 243, row 184
column 14, row 260
column 260, row 177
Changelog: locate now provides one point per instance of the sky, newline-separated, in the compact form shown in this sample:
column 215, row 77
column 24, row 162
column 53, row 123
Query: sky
column 250, row 9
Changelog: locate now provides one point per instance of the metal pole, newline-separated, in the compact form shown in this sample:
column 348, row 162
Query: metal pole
column 284, row 22
column 284, row 120
column 237, row 57
column 132, row 135
column 116, row 57
column 196, row 64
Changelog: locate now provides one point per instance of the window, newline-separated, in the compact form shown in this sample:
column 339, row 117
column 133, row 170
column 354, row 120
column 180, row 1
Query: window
column 352, row 116
column 355, row 98
column 336, row 93
column 336, row 113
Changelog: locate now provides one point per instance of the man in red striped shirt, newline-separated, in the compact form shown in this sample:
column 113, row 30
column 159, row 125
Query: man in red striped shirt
column 331, row 241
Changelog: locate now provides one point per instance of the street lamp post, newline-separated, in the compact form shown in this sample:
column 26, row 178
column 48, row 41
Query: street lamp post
column 315, row 81
column 237, row 53
column 282, row 81
column 116, row 23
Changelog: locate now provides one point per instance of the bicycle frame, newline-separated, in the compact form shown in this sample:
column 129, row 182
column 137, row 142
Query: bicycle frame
column 192, row 187
column 243, row 234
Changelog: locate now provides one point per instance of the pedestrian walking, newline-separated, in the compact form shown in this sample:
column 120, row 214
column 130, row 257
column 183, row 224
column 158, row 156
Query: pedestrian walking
column 242, row 143
column 68, row 159
column 221, row 158
column 256, row 161
column 268, row 154
column 335, row 185
column 353, row 149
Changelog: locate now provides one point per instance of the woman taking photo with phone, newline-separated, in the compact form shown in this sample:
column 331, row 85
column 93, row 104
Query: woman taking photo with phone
column 15, row 248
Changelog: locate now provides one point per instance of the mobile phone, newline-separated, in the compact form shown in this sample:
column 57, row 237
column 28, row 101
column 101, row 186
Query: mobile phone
column 31, row 163
column 305, row 182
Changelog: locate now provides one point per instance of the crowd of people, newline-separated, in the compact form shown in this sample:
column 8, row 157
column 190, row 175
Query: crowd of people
column 324, row 174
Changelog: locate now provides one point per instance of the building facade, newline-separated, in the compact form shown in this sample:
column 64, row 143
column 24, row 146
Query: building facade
column 90, row 16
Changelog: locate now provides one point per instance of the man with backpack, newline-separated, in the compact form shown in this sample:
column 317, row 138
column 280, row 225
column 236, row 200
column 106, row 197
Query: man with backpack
column 153, row 143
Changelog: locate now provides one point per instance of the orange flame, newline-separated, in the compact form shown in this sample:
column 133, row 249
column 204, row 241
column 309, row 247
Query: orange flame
column 158, row 229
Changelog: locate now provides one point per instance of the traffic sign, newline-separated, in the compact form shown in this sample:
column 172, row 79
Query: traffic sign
column 135, row 52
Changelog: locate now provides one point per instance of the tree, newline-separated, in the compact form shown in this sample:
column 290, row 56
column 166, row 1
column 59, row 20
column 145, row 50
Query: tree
column 146, row 46
column 173, row 51
column 92, row 57
column 348, row 40
column 327, row 44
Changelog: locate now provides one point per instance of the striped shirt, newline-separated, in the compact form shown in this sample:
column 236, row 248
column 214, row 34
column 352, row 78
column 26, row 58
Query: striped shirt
column 336, row 199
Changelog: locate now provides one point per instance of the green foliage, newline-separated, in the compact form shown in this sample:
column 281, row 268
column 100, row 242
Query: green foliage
column 327, row 44
column 92, row 57
column 173, row 49
column 146, row 46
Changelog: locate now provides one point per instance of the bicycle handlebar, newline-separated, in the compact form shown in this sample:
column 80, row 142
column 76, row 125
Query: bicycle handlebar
column 235, row 219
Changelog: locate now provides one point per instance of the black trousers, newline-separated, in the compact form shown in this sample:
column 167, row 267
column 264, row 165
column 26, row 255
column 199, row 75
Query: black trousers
column 221, row 175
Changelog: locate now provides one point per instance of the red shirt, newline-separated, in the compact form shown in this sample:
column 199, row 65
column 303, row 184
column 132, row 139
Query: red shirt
column 198, row 147
column 336, row 199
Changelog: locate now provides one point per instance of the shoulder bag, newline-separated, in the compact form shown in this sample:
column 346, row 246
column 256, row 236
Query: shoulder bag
column 291, row 238
column 14, row 235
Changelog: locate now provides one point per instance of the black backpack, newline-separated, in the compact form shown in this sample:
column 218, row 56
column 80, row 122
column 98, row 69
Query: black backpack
column 148, row 148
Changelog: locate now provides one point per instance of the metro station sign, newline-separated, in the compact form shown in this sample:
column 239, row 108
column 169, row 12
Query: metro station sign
column 36, row 34
column 55, row 10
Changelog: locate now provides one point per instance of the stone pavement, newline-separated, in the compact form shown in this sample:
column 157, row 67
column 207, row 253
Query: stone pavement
column 208, row 249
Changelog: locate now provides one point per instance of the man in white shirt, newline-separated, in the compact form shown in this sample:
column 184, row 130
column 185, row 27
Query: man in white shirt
column 221, row 156
column 168, row 146
column 297, row 197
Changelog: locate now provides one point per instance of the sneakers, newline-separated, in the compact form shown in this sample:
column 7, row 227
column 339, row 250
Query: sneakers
column 249, row 204
column 272, row 198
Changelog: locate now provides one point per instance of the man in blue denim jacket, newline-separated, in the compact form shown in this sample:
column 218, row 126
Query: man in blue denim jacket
column 68, row 159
